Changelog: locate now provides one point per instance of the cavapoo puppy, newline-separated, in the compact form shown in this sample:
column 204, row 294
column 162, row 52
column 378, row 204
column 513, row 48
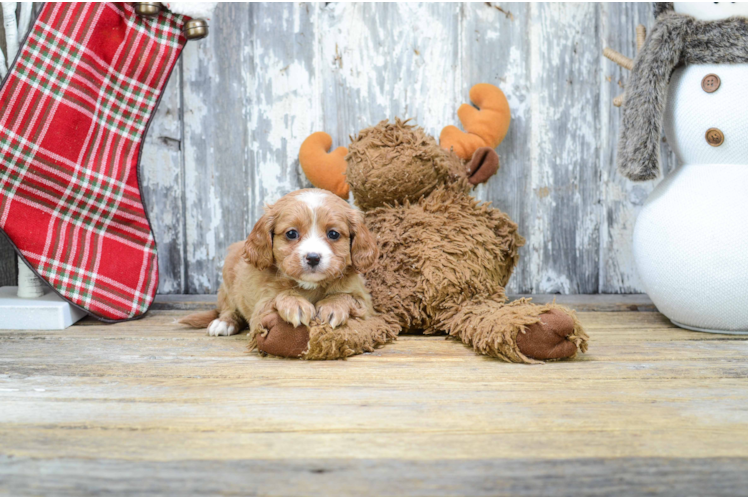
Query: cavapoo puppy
column 303, row 260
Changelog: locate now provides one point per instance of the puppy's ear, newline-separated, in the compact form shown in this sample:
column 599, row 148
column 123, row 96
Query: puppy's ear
column 364, row 251
column 258, row 249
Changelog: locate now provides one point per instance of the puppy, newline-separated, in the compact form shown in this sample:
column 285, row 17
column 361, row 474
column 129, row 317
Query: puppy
column 303, row 260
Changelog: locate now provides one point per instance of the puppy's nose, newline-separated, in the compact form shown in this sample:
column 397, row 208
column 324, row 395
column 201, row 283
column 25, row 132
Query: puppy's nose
column 313, row 259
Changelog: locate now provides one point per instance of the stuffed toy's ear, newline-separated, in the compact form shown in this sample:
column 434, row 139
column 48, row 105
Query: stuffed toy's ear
column 482, row 166
column 325, row 171
column 485, row 127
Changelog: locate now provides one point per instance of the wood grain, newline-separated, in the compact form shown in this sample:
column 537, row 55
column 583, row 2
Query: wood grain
column 8, row 266
column 282, row 98
column 498, row 35
column 225, row 140
column 385, row 60
column 650, row 408
column 564, row 78
column 586, row 303
column 390, row 477
column 161, row 181
column 216, row 124
column 620, row 198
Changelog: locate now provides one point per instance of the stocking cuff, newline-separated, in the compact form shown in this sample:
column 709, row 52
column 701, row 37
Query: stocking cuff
column 197, row 10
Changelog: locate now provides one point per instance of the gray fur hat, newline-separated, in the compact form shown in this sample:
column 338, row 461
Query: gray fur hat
column 660, row 7
column 675, row 40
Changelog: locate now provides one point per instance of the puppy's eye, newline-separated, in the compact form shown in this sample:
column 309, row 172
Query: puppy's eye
column 333, row 234
column 292, row 234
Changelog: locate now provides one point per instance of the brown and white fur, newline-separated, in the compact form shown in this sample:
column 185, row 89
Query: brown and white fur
column 292, row 264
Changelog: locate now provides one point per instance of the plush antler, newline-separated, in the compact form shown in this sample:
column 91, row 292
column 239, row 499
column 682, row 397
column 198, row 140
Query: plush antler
column 485, row 127
column 324, row 170
column 623, row 61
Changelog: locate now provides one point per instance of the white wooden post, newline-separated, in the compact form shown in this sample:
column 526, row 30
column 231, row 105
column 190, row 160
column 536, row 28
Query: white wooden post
column 30, row 286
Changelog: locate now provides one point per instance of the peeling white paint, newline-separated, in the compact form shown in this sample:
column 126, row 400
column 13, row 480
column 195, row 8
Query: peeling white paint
column 390, row 60
column 551, row 282
column 620, row 199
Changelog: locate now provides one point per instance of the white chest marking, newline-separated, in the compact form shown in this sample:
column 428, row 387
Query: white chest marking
column 307, row 285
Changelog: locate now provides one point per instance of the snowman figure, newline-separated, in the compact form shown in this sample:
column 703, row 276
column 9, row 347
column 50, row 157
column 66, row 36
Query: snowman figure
column 691, row 237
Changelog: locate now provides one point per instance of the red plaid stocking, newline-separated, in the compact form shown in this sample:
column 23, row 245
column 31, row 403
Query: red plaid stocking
column 73, row 112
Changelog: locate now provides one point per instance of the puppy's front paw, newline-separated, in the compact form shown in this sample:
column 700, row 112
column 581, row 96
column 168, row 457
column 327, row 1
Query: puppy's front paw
column 295, row 310
column 218, row 328
column 333, row 313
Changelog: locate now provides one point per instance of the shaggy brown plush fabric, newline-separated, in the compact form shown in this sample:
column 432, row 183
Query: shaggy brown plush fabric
column 355, row 337
column 320, row 341
column 396, row 161
column 491, row 327
column 445, row 257
column 439, row 253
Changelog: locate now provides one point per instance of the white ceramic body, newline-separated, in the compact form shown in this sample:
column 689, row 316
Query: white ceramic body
column 691, row 237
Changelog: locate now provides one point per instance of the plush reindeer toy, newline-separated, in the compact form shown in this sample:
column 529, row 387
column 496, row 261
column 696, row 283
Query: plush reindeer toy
column 445, row 257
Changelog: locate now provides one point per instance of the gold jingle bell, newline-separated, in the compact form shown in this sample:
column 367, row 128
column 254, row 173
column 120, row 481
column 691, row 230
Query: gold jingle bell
column 195, row 29
column 147, row 9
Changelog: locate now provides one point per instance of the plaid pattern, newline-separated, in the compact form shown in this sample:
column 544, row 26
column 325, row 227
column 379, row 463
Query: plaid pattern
column 73, row 112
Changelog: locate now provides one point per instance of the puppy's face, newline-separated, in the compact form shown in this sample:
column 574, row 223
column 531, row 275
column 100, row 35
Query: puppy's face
column 311, row 236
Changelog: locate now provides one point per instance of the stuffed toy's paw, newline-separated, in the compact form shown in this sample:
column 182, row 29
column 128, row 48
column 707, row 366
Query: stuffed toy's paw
column 485, row 127
column 283, row 339
column 549, row 338
column 321, row 341
column 324, row 170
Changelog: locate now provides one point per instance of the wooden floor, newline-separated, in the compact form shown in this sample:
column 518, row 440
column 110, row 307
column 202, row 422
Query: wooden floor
column 149, row 407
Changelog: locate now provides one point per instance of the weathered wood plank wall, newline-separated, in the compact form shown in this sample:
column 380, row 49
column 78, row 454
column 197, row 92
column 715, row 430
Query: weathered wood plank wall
column 227, row 134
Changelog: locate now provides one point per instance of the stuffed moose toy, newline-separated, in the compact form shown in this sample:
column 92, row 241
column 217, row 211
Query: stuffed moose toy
column 444, row 257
